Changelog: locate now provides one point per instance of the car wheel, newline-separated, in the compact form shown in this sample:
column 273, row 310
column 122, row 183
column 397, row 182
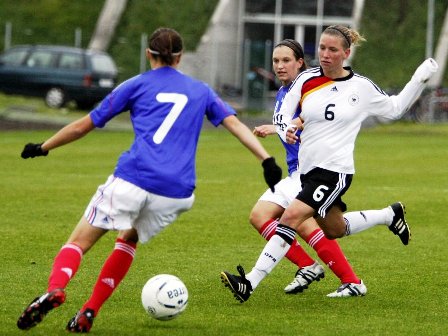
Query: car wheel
column 55, row 97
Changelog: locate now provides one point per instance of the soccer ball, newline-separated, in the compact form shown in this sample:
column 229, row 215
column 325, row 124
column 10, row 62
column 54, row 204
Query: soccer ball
column 164, row 297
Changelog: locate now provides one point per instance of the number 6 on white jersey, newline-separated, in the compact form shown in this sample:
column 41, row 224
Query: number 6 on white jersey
column 179, row 101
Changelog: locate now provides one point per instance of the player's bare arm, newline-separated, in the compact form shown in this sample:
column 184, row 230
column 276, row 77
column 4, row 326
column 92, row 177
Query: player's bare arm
column 263, row 131
column 243, row 133
column 72, row 132
column 291, row 132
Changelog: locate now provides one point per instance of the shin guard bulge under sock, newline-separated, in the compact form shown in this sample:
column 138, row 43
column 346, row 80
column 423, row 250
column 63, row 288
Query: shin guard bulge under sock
column 274, row 250
column 296, row 253
column 65, row 266
column 114, row 270
column 358, row 221
column 331, row 254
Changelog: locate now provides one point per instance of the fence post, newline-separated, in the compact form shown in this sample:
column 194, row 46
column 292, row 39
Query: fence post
column 246, row 69
column 8, row 33
column 267, row 68
column 143, row 46
column 78, row 37
column 430, row 29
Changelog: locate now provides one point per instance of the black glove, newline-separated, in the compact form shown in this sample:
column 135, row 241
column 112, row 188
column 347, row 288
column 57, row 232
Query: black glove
column 272, row 172
column 32, row 150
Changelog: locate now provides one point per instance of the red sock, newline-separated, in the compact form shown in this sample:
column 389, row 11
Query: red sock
column 331, row 254
column 113, row 271
column 296, row 253
column 65, row 265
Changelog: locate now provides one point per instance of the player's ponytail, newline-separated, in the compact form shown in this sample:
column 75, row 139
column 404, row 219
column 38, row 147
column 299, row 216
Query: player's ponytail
column 165, row 44
column 349, row 36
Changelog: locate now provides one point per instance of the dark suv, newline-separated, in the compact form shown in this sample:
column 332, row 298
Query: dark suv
column 58, row 73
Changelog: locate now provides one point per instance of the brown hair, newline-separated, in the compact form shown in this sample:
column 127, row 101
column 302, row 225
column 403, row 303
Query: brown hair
column 296, row 48
column 350, row 36
column 166, row 44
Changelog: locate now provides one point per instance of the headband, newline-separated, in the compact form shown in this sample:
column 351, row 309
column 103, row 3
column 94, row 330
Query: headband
column 294, row 46
column 157, row 53
column 347, row 38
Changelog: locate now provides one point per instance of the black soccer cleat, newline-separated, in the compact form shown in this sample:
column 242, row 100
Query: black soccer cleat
column 82, row 322
column 238, row 284
column 399, row 225
column 39, row 307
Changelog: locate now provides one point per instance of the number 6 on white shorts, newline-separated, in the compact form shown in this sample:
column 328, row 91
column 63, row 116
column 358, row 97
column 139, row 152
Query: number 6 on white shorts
column 318, row 194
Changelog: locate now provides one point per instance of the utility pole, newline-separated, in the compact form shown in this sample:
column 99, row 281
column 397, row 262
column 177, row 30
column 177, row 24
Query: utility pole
column 430, row 29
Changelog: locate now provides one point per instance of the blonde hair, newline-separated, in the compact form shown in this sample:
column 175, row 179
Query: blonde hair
column 349, row 36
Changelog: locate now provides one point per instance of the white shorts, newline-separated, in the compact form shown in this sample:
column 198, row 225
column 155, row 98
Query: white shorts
column 285, row 191
column 120, row 205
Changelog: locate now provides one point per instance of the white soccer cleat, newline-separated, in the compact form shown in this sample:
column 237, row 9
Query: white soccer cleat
column 350, row 289
column 305, row 276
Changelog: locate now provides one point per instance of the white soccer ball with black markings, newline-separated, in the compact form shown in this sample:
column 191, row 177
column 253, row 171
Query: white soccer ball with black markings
column 164, row 297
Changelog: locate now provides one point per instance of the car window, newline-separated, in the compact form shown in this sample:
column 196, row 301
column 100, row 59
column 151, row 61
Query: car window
column 40, row 59
column 103, row 63
column 71, row 61
column 14, row 57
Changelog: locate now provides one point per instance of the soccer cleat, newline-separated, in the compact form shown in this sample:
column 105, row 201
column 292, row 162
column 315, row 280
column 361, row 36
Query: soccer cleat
column 239, row 285
column 399, row 225
column 39, row 307
column 82, row 322
column 350, row 289
column 305, row 276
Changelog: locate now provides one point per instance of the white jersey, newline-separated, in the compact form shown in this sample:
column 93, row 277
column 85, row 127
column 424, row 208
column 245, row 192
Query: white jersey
column 332, row 111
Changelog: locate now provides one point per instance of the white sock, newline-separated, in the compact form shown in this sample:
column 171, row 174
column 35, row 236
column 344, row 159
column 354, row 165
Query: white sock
column 358, row 221
column 274, row 250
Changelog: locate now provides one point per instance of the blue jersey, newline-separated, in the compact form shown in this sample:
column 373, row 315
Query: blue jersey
column 167, row 110
column 291, row 150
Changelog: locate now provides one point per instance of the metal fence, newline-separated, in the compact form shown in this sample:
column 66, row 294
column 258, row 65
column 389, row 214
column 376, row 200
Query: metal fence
column 437, row 106
column 431, row 107
column 7, row 38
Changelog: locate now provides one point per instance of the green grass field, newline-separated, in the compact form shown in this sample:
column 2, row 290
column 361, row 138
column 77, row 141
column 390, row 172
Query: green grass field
column 42, row 199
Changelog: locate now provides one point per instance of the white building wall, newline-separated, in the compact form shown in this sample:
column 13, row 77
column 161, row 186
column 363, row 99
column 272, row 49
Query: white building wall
column 218, row 57
column 215, row 59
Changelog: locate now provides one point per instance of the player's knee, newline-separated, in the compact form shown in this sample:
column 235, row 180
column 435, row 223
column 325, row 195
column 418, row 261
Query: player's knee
column 333, row 235
column 293, row 217
column 255, row 219
column 306, row 228
column 334, row 232
column 130, row 235
column 334, row 225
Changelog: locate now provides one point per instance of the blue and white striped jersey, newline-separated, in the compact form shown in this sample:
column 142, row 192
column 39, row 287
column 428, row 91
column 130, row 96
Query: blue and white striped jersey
column 291, row 150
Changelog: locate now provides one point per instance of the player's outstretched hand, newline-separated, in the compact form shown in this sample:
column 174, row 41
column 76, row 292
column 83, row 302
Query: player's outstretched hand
column 426, row 70
column 32, row 150
column 272, row 172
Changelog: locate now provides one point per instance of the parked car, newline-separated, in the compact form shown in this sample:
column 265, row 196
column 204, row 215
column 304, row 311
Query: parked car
column 59, row 74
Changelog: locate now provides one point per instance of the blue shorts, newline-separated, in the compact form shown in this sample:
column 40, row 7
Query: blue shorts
column 322, row 189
